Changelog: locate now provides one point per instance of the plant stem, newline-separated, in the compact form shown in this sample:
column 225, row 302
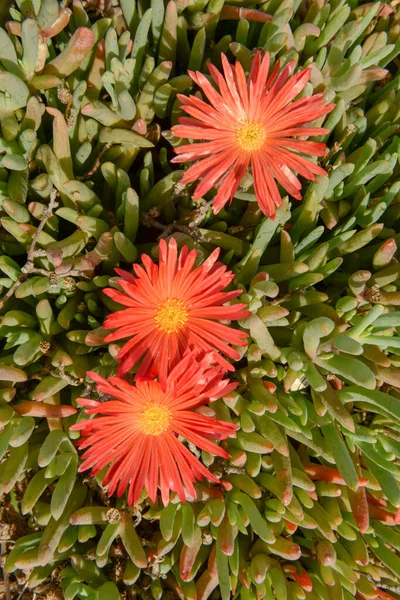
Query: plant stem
column 29, row 266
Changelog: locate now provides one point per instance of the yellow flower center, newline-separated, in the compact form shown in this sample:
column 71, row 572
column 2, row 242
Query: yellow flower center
column 251, row 136
column 155, row 419
column 171, row 316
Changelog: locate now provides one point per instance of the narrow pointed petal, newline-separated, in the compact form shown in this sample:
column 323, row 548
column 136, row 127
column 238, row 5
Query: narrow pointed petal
column 162, row 299
column 250, row 124
column 135, row 432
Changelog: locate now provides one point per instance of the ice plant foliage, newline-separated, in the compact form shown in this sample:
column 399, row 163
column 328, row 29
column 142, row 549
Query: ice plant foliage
column 251, row 124
column 173, row 306
column 137, row 430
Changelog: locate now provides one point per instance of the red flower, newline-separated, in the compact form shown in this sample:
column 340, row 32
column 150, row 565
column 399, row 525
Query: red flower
column 251, row 124
column 137, row 430
column 173, row 306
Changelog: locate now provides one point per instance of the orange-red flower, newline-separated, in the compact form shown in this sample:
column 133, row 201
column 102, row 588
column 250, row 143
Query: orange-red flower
column 173, row 306
column 253, row 124
column 137, row 430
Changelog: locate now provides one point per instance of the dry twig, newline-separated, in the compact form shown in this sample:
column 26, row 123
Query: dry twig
column 29, row 266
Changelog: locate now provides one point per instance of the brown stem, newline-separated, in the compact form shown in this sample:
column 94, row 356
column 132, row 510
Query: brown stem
column 96, row 165
column 22, row 592
column 29, row 267
column 148, row 221
column 337, row 146
column 35, row 271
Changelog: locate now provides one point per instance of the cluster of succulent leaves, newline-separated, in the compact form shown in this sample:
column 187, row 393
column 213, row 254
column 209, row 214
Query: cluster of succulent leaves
column 309, row 508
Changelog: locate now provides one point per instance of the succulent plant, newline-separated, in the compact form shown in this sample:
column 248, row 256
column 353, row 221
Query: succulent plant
column 308, row 505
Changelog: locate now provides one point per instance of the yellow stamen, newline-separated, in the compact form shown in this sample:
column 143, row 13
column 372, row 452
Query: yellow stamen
column 155, row 419
column 251, row 136
column 171, row 316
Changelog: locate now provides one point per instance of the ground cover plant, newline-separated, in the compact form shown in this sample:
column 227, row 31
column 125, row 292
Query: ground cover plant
column 200, row 349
